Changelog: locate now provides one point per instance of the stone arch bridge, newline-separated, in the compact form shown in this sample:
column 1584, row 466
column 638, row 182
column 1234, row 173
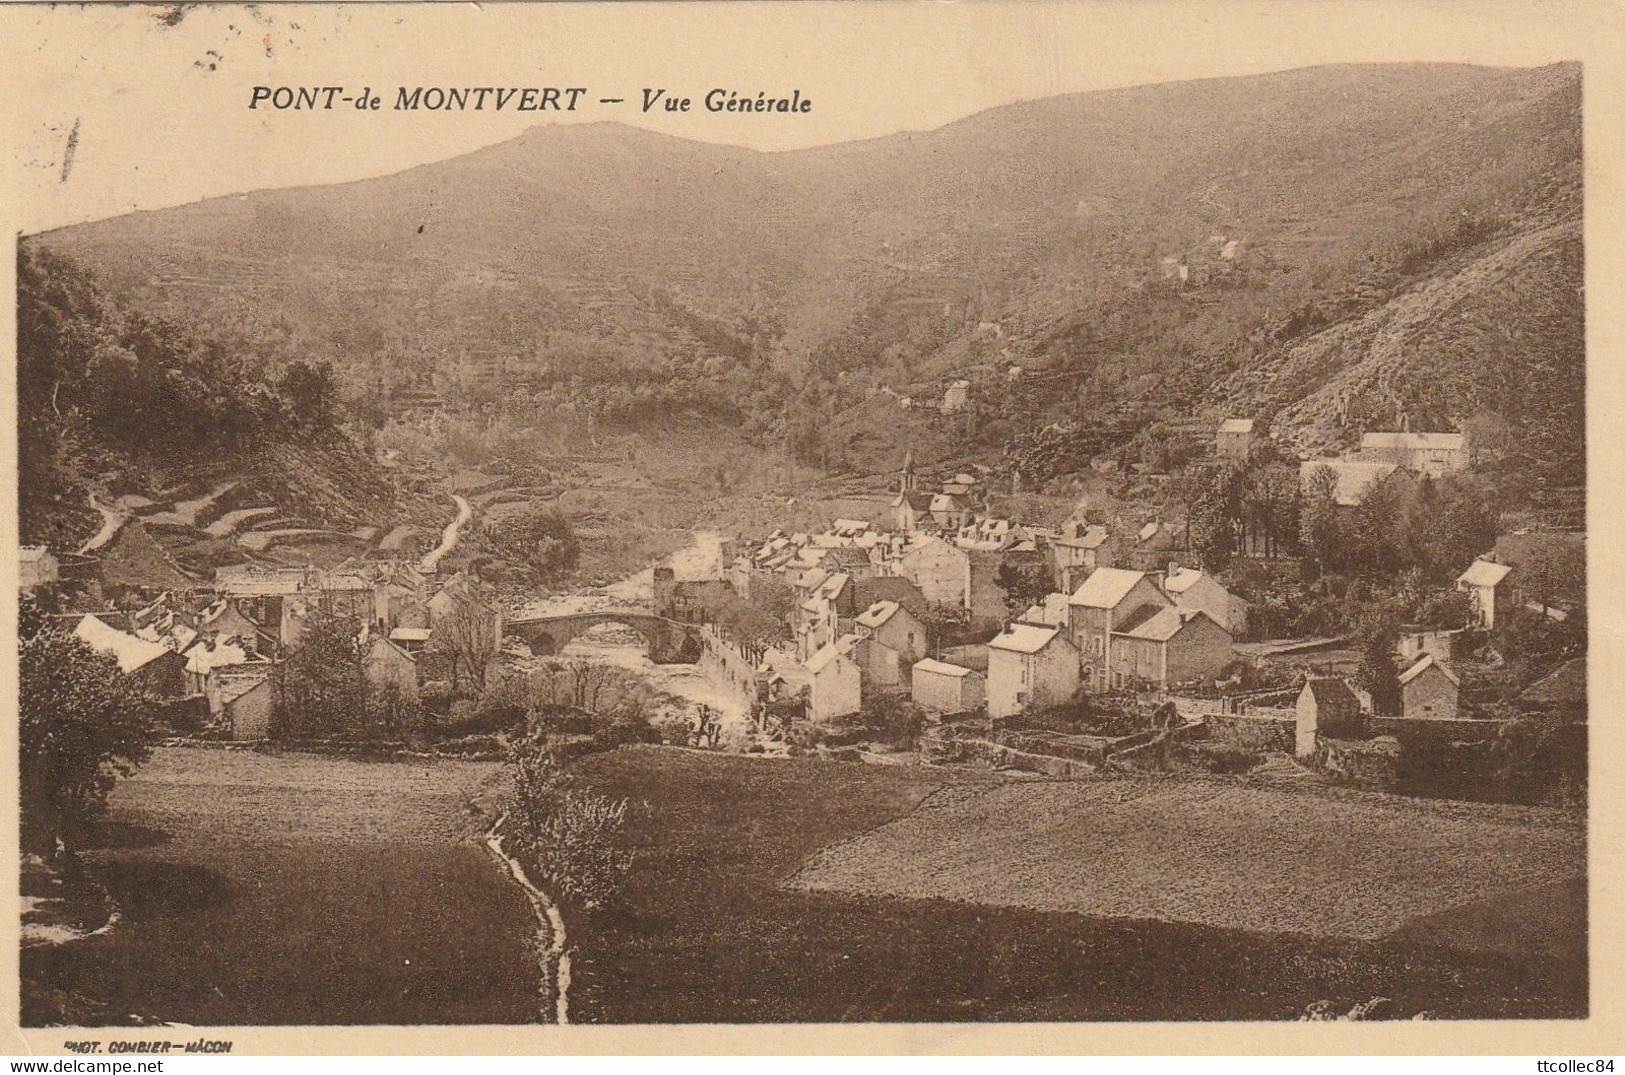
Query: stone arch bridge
column 670, row 641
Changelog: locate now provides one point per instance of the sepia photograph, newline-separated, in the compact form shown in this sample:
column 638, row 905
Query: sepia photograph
column 513, row 530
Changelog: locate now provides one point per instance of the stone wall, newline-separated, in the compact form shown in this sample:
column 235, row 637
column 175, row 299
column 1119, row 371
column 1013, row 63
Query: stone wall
column 1273, row 731
column 1365, row 763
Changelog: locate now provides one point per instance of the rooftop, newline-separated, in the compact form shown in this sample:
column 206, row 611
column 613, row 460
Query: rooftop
column 1484, row 573
column 1024, row 637
column 1106, row 587
column 942, row 668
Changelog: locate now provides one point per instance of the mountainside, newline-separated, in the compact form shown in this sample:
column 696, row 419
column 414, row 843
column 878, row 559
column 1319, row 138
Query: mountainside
column 123, row 414
column 1324, row 246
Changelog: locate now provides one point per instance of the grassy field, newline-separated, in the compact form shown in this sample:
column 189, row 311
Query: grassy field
column 719, row 924
column 1214, row 853
column 296, row 889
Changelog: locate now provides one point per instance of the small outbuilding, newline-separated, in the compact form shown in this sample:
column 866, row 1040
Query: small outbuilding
column 940, row 687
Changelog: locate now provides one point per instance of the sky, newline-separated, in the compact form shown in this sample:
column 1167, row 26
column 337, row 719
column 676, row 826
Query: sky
column 154, row 103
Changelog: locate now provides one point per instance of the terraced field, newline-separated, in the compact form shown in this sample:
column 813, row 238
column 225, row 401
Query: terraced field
column 1214, row 853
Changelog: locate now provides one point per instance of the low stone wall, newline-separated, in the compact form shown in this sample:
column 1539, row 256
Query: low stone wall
column 1248, row 731
column 1364, row 763
column 996, row 755
column 1421, row 733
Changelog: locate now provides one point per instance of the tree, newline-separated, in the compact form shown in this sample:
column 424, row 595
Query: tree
column 1320, row 526
column 1553, row 568
column 1024, row 584
column 321, row 687
column 1378, row 672
column 81, row 726
column 463, row 644
column 308, row 392
column 542, row 539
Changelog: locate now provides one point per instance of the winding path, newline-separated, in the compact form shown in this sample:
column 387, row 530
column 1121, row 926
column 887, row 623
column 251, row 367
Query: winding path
column 448, row 540
column 112, row 521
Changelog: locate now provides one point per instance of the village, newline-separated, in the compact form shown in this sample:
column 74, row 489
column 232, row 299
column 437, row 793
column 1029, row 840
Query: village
column 932, row 629
column 1055, row 649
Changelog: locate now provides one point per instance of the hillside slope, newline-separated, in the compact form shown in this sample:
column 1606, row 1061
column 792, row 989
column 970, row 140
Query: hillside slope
column 114, row 403
column 1142, row 246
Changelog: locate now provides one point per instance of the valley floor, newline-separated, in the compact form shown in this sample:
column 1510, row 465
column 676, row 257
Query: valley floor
column 296, row 889
column 962, row 896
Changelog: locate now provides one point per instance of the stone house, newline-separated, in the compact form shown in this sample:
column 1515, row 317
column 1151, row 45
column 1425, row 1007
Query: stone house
column 940, row 570
column 1234, row 441
column 246, row 704
column 893, row 626
column 956, row 398
column 1156, row 545
column 386, row 665
column 1029, row 666
column 817, row 619
column 950, row 511
column 1077, row 552
column 939, row 687
column 835, row 683
column 1433, row 454
column 1199, row 591
column 1429, row 690
column 1479, row 583
column 1099, row 607
column 911, row 509
column 882, row 668
column 1326, row 706
column 1160, row 648
column 1413, row 642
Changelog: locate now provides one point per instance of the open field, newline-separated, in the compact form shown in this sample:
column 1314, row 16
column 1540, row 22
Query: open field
column 1214, row 853
column 265, row 889
column 717, row 924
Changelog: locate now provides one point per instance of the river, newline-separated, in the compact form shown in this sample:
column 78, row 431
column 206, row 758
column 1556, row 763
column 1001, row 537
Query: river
column 623, row 648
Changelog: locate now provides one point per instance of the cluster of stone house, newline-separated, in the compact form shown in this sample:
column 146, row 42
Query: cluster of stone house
column 1119, row 630
column 1387, row 458
column 222, row 642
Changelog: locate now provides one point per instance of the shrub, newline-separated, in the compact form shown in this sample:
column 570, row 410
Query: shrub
column 572, row 842
column 803, row 736
column 677, row 731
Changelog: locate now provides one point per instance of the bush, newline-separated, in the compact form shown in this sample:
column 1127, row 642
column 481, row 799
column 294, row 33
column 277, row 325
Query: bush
column 803, row 736
column 677, row 731
column 571, row 842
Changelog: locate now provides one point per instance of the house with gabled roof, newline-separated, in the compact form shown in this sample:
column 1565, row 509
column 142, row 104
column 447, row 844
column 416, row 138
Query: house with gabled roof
column 1100, row 606
column 891, row 625
column 1429, row 690
column 1326, row 706
column 1029, row 666
column 1077, row 551
column 939, row 687
column 835, row 682
column 1480, row 582
column 151, row 667
column 1194, row 589
column 1157, row 649
column 1433, row 454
